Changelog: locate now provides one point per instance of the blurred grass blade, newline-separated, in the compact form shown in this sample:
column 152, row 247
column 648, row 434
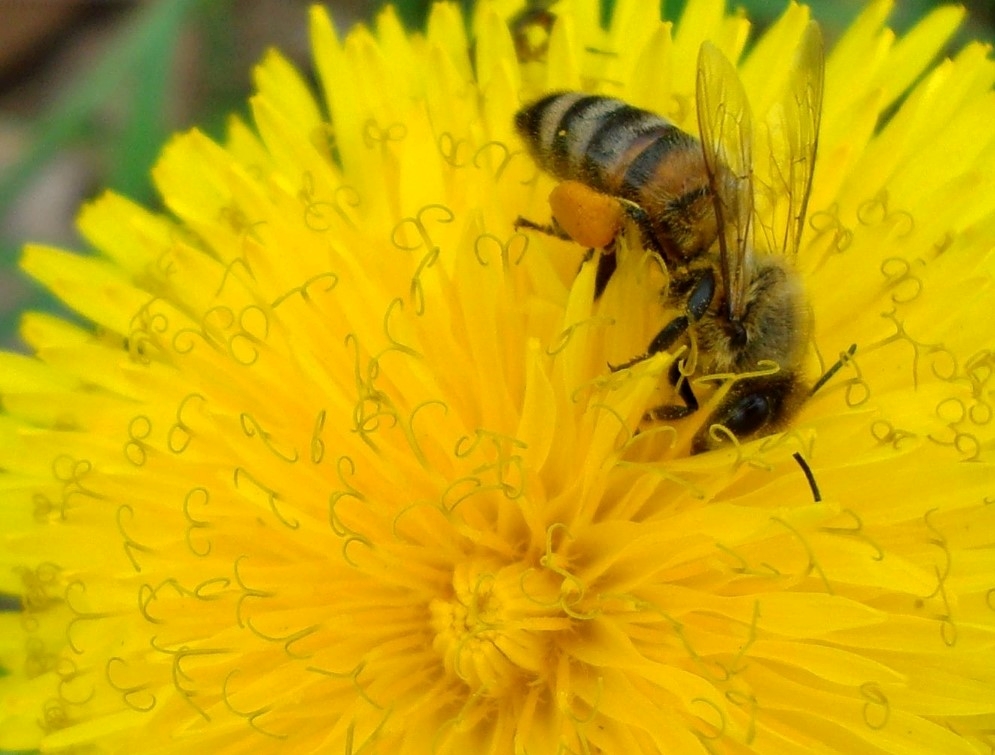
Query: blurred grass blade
column 142, row 47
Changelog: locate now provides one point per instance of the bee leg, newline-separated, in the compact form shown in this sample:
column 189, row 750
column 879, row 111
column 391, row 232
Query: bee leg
column 607, row 260
column 550, row 229
column 702, row 292
column 675, row 411
column 638, row 215
column 607, row 263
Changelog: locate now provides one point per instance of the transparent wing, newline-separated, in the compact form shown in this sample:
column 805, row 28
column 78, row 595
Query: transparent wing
column 793, row 129
column 724, row 122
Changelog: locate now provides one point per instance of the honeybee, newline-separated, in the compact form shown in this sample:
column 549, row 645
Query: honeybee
column 693, row 201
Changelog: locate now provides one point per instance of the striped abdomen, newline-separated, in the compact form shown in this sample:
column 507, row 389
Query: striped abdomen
column 627, row 152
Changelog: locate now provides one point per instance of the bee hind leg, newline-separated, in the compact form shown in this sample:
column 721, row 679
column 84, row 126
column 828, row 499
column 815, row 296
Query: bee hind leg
column 638, row 216
column 607, row 260
column 607, row 263
column 550, row 229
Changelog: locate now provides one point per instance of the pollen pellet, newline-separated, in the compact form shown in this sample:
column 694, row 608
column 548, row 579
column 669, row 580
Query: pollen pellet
column 590, row 218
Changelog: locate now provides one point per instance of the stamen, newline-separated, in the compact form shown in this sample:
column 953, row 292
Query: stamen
column 877, row 709
column 449, row 148
column 271, row 496
column 179, row 445
column 130, row 545
column 136, row 450
column 317, row 443
column 204, row 497
column 332, row 281
column 503, row 248
column 856, row 531
column 828, row 222
column 443, row 215
column 875, row 211
column 252, row 428
column 251, row 715
column 897, row 271
column 127, row 692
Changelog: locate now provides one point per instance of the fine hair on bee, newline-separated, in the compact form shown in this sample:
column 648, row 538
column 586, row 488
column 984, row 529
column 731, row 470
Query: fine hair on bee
column 692, row 200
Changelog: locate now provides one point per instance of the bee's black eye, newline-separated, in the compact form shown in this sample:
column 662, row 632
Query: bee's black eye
column 743, row 416
column 749, row 414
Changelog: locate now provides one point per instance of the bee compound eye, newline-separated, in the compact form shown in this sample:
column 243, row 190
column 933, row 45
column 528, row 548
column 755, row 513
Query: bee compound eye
column 742, row 415
column 748, row 414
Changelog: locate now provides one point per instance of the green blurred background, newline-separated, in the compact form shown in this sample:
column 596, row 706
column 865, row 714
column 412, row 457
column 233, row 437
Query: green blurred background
column 89, row 91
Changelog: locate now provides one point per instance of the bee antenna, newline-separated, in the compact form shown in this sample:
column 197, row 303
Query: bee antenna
column 808, row 476
column 828, row 375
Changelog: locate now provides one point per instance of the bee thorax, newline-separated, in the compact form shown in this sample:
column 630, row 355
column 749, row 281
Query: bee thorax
column 774, row 326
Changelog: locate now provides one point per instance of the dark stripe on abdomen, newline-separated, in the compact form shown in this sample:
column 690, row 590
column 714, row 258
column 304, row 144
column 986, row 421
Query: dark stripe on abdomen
column 644, row 166
column 682, row 204
column 613, row 140
column 528, row 120
column 579, row 125
column 537, row 124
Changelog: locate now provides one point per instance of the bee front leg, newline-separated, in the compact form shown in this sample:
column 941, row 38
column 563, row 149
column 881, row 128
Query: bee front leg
column 702, row 292
column 675, row 411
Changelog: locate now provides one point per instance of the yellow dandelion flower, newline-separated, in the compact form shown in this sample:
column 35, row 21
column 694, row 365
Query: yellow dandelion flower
column 339, row 465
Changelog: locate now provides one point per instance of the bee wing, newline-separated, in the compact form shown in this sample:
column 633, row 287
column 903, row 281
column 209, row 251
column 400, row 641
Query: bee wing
column 724, row 122
column 794, row 136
